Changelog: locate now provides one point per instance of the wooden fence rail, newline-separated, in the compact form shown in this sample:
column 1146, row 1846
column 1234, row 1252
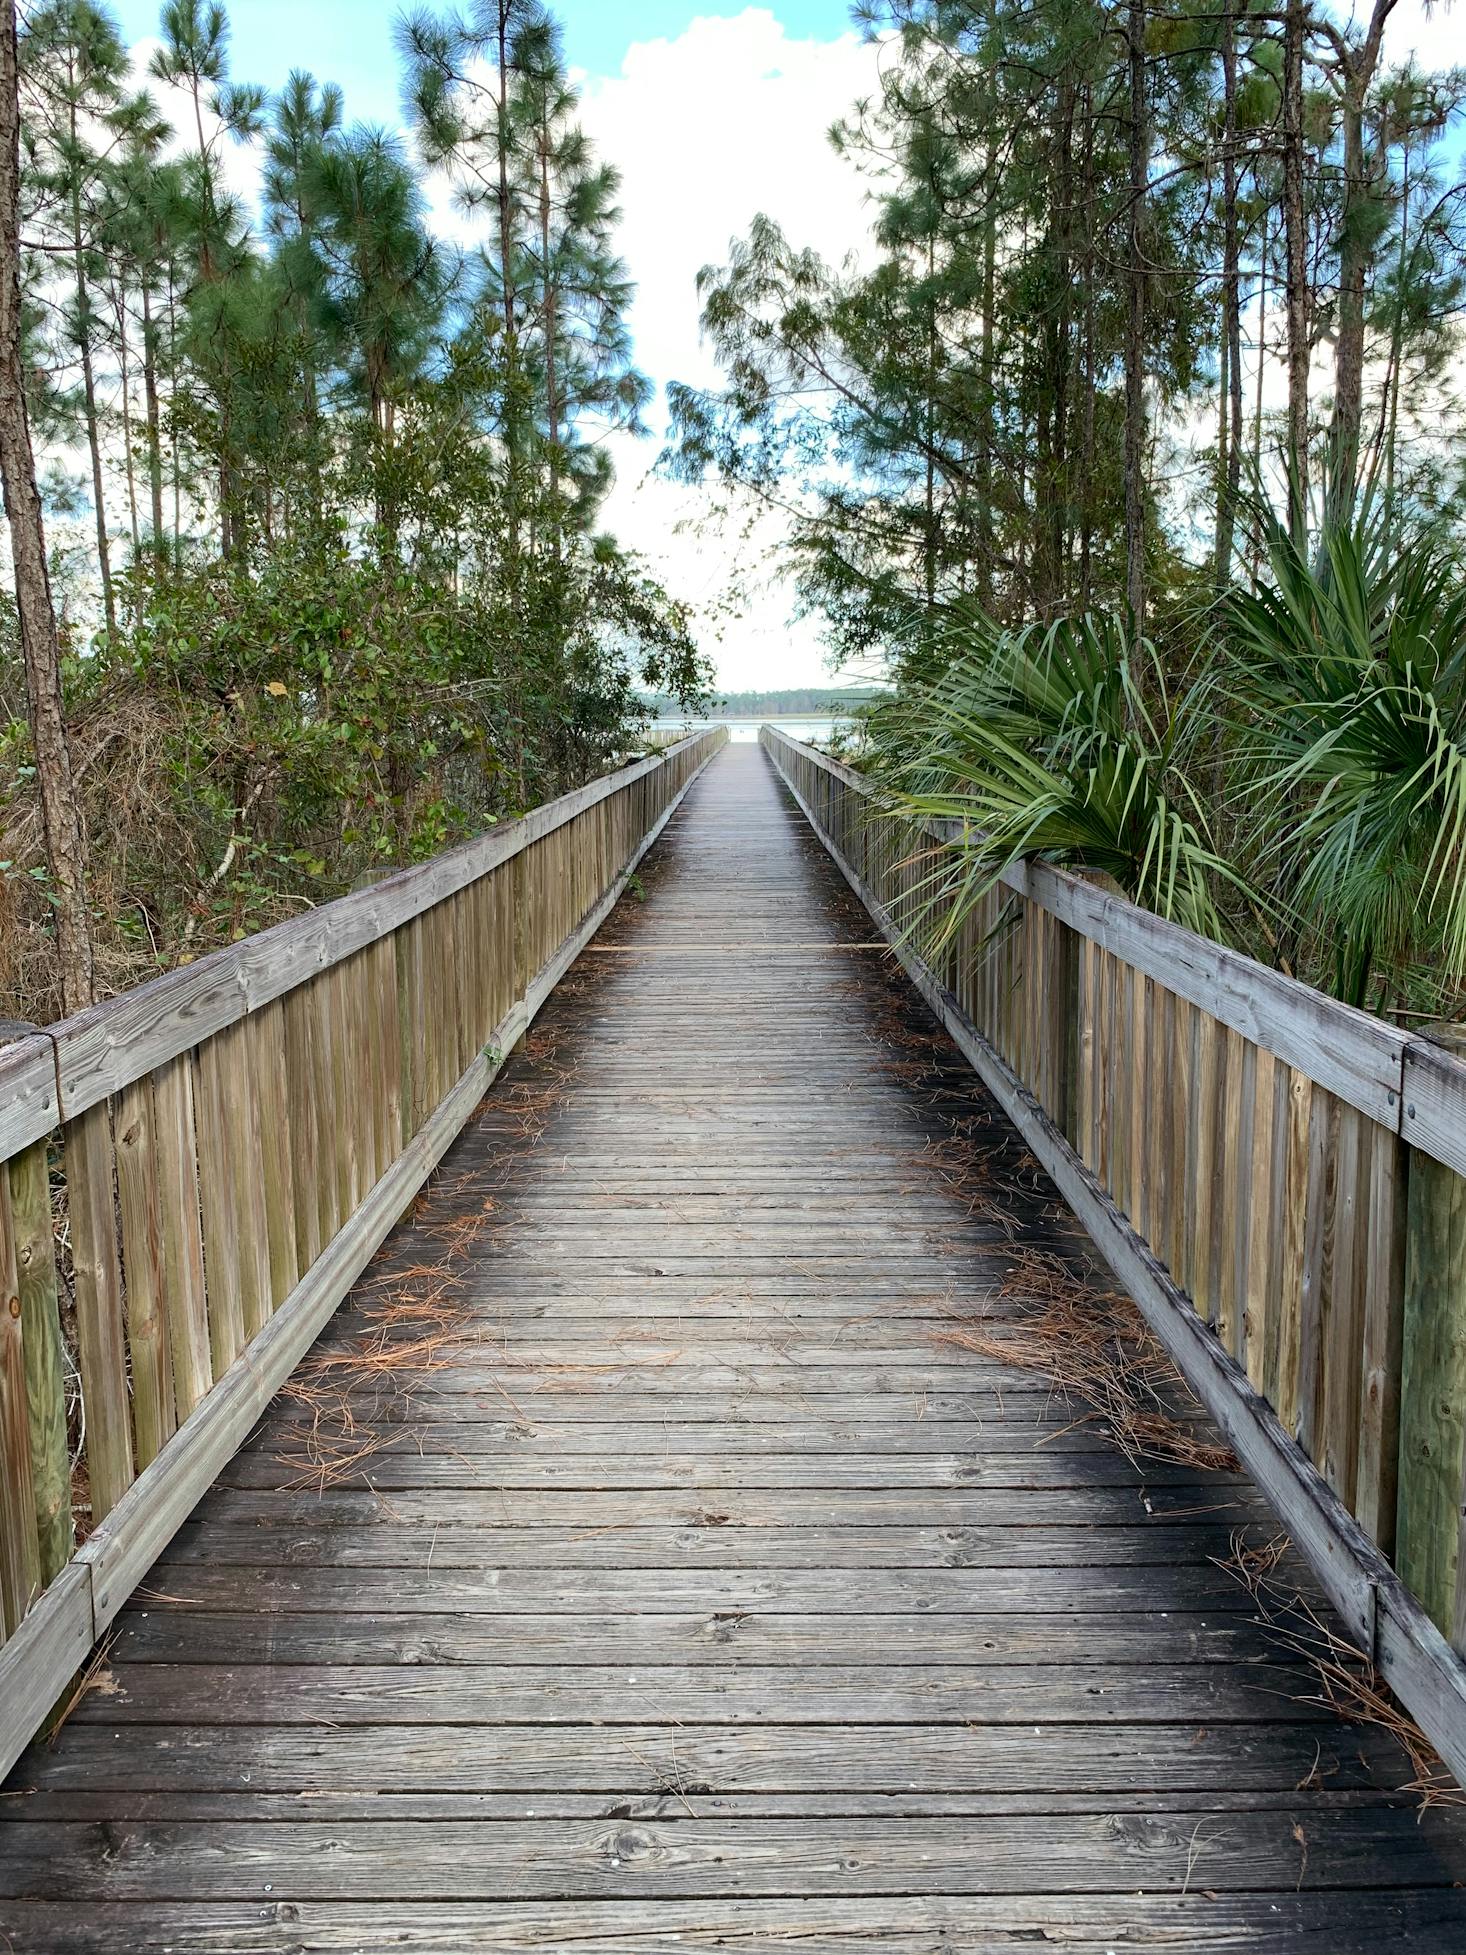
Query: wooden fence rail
column 1275, row 1177
column 193, row 1174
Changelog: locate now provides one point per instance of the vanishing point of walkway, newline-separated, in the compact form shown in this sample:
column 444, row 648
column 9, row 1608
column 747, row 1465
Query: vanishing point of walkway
column 634, row 1566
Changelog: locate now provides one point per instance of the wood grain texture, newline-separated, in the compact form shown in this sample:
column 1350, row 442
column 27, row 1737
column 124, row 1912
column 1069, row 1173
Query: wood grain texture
column 185, row 1298
column 1433, row 1392
column 98, row 1051
column 1196, row 1923
column 179, row 1199
column 1385, row 1616
column 100, row 1328
column 19, row 1541
column 45, row 1358
column 684, row 1580
column 146, row 1273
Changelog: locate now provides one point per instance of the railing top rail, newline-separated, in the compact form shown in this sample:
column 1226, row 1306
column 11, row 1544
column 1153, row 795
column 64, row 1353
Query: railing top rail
column 83, row 1059
column 1403, row 1082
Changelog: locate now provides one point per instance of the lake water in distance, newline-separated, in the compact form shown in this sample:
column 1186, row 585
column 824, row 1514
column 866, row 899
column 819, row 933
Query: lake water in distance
column 797, row 727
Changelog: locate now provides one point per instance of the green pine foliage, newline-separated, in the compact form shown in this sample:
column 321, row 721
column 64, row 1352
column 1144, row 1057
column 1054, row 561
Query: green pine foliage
column 350, row 600
column 1028, row 450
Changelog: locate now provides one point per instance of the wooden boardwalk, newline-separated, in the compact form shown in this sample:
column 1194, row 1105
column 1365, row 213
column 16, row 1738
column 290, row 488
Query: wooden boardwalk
column 633, row 1566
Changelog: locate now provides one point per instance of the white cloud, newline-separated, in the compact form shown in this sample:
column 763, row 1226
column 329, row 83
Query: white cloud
column 1426, row 30
column 728, row 119
column 725, row 120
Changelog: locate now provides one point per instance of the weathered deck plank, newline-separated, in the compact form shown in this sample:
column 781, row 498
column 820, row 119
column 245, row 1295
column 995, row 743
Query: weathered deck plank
column 634, row 1566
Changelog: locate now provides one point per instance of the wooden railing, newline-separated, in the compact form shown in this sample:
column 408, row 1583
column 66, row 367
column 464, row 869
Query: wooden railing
column 193, row 1174
column 1276, row 1178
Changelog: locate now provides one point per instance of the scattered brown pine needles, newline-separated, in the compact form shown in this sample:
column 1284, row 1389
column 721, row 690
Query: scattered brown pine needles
column 1348, row 1682
column 1095, row 1347
column 410, row 1320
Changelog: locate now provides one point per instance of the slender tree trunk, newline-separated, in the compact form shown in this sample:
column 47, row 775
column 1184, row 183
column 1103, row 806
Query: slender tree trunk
column 1295, row 243
column 1357, row 70
column 89, row 387
column 1222, row 543
column 512, row 404
column 986, row 404
column 124, row 370
column 1230, row 456
column 929, row 510
column 65, row 840
column 1135, row 441
column 1261, row 374
column 552, row 327
column 173, row 425
column 1059, row 342
column 206, row 186
column 1087, row 368
column 505, row 200
column 1397, row 351
column 150, row 399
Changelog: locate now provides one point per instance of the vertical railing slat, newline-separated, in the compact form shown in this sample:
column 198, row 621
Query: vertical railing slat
column 100, row 1330
column 185, row 1296
column 45, row 1363
column 214, row 1130
column 1433, row 1388
column 143, row 1270
column 20, row 1560
column 277, row 1155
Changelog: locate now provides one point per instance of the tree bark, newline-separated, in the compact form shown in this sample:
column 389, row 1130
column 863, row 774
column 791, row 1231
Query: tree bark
column 1356, row 73
column 1135, row 442
column 1087, row 366
column 1230, row 419
column 1390, row 431
column 124, row 375
column 89, row 384
column 987, row 430
column 552, row 326
column 175, row 468
column 1295, row 243
column 505, row 201
column 64, row 839
column 150, row 398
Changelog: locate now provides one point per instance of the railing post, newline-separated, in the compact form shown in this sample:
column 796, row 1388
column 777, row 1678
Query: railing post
column 519, row 899
column 1433, row 1389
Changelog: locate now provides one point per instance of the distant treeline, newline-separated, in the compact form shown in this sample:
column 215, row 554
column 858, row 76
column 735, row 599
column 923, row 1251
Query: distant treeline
column 795, row 699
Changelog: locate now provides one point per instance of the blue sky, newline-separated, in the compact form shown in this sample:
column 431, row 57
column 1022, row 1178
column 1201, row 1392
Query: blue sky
column 350, row 41
column 713, row 113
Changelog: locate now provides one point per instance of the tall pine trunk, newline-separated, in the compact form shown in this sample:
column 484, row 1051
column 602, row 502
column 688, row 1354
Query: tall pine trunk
column 65, row 841
column 176, row 468
column 1356, row 71
column 986, row 404
column 1088, row 384
column 1391, row 417
column 1230, row 458
column 1295, row 246
column 512, row 403
column 89, row 384
column 124, row 374
column 1135, row 430
column 552, row 327
column 150, row 401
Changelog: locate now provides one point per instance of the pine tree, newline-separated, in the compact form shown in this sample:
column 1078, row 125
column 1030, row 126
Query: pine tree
column 74, row 68
column 65, row 839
